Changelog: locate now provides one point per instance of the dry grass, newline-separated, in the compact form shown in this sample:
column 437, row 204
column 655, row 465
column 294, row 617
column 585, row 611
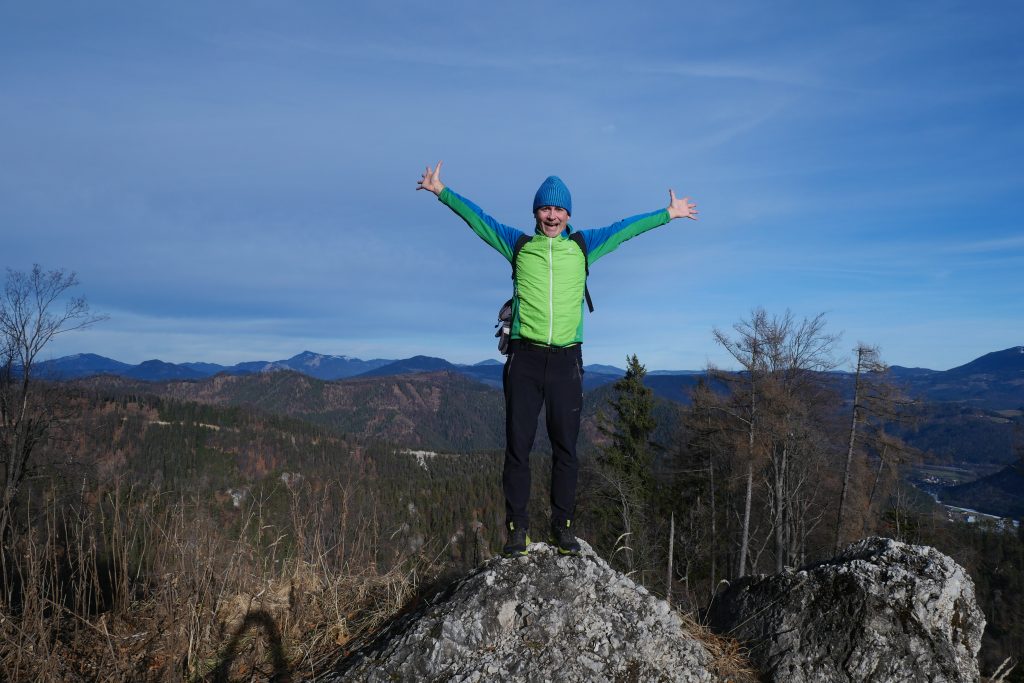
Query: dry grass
column 1002, row 672
column 139, row 588
column 729, row 661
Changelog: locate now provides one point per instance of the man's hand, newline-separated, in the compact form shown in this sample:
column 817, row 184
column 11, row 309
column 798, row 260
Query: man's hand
column 679, row 208
column 431, row 180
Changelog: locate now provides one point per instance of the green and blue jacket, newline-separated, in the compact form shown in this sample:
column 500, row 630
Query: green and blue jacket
column 550, row 273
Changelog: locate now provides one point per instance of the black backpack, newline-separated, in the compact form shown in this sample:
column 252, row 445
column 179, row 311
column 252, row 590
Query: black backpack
column 505, row 312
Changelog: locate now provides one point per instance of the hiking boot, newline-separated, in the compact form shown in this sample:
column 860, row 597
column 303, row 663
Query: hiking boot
column 563, row 538
column 518, row 541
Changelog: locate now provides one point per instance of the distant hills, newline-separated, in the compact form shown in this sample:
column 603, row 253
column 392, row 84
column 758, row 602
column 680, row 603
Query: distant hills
column 308, row 363
column 438, row 410
column 316, row 365
column 82, row 365
column 442, row 410
column 994, row 381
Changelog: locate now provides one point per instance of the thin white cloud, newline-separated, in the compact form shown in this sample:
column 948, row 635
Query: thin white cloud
column 768, row 74
column 982, row 246
column 728, row 133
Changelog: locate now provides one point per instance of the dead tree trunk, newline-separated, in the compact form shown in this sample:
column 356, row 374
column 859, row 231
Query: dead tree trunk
column 741, row 566
column 862, row 352
column 671, row 547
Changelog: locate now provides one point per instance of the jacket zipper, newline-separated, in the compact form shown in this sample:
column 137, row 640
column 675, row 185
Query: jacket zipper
column 551, row 292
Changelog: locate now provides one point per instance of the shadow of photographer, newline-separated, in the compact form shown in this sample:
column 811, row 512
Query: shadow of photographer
column 254, row 620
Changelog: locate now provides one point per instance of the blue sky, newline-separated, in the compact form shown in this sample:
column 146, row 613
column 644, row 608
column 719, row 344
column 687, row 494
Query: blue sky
column 235, row 181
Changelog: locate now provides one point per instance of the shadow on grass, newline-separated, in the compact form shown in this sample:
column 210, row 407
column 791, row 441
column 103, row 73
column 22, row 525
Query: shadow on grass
column 258, row 619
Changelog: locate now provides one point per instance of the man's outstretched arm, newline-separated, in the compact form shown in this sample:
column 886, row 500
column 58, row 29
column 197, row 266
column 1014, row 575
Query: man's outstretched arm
column 606, row 240
column 498, row 235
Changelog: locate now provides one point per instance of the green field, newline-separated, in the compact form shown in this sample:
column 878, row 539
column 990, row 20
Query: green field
column 953, row 475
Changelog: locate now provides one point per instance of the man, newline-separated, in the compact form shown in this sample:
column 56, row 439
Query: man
column 545, row 363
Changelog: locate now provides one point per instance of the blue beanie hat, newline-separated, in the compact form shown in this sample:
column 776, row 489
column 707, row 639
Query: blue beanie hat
column 553, row 192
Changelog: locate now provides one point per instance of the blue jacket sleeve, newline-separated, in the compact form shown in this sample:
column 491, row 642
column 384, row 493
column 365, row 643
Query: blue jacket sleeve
column 501, row 237
column 601, row 241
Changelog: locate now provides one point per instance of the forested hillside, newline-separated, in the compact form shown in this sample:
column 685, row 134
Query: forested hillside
column 438, row 411
column 441, row 410
column 952, row 433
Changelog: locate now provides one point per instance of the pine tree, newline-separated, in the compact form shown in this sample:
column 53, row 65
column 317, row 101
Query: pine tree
column 625, row 464
column 631, row 450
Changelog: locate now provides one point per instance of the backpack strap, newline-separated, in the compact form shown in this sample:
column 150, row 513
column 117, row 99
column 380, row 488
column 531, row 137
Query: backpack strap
column 518, row 247
column 578, row 238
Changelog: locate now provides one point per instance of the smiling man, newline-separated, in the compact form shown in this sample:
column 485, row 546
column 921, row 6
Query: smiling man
column 545, row 361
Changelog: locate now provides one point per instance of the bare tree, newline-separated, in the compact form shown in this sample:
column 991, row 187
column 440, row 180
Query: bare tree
column 777, row 399
column 746, row 350
column 799, row 355
column 867, row 361
column 708, row 452
column 892, row 454
column 31, row 315
column 876, row 402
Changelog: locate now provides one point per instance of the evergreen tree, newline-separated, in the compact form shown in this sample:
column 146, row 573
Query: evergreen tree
column 631, row 450
column 625, row 467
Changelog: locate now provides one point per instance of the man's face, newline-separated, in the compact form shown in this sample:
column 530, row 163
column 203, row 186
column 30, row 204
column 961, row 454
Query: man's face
column 552, row 220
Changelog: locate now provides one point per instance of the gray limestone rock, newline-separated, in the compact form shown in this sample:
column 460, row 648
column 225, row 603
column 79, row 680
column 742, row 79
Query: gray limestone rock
column 880, row 611
column 542, row 617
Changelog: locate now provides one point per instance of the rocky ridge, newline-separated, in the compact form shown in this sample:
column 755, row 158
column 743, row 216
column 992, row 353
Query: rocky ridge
column 539, row 617
column 881, row 610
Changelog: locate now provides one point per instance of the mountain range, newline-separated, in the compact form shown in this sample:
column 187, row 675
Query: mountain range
column 317, row 365
column 994, row 381
column 308, row 363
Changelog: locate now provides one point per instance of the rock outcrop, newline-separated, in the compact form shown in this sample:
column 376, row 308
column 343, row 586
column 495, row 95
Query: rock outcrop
column 534, row 618
column 880, row 611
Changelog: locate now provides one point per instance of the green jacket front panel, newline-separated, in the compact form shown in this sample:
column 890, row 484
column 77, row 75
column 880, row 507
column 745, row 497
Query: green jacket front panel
column 550, row 278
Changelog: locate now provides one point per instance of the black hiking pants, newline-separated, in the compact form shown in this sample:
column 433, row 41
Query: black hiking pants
column 538, row 375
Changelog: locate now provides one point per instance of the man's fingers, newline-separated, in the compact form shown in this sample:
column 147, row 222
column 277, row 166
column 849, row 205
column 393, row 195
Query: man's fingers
column 671, row 196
